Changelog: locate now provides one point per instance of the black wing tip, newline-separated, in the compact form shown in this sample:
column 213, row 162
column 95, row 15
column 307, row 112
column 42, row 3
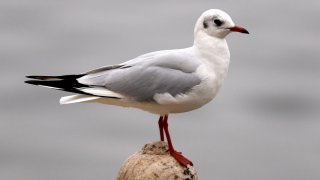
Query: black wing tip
column 43, row 78
column 38, row 77
column 33, row 82
column 32, row 77
column 54, row 78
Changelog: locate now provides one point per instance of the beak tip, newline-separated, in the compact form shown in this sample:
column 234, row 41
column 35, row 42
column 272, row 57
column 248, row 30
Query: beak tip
column 239, row 29
column 245, row 31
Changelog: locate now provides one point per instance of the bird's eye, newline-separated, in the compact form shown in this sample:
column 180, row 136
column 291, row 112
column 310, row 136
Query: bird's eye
column 218, row 22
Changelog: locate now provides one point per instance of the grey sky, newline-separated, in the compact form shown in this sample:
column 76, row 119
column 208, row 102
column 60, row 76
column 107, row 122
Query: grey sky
column 264, row 124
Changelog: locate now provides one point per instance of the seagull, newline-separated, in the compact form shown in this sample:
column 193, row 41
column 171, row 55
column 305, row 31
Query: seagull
column 161, row 82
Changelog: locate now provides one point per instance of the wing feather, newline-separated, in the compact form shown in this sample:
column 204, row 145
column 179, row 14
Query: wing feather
column 141, row 78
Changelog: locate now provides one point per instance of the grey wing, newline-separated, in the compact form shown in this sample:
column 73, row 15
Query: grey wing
column 181, row 59
column 141, row 79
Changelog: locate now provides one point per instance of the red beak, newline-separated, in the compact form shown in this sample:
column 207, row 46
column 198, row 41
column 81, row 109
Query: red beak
column 239, row 29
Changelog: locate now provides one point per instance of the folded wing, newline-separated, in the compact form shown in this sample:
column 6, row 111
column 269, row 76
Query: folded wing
column 139, row 79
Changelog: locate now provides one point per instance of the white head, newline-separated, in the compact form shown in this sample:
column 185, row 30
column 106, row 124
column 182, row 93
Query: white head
column 217, row 23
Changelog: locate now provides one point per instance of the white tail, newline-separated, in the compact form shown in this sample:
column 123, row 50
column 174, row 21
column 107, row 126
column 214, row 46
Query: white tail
column 79, row 98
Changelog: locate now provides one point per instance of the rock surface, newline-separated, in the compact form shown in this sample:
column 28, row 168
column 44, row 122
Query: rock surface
column 154, row 162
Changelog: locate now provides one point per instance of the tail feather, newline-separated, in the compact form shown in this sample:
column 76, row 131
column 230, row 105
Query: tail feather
column 78, row 98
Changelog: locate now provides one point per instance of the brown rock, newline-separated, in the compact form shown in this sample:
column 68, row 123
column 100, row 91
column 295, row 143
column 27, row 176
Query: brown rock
column 154, row 162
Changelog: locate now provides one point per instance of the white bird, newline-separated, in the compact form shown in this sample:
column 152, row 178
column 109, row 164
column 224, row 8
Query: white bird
column 162, row 82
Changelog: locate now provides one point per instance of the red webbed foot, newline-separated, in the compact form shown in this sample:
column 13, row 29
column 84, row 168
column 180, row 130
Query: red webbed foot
column 180, row 158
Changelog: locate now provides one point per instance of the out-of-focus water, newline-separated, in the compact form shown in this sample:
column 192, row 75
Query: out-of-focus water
column 264, row 124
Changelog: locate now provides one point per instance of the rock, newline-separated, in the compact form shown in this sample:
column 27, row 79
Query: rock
column 154, row 162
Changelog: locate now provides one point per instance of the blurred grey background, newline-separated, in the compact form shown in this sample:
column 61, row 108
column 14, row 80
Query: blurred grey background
column 264, row 124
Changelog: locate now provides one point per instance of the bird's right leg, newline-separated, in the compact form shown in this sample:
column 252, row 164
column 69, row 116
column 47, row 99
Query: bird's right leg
column 160, row 122
column 176, row 155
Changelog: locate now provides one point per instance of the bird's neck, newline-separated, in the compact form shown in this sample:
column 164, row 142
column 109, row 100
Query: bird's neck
column 212, row 48
column 214, row 53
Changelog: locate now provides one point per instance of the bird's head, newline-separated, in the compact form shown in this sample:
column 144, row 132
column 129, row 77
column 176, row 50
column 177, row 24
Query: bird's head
column 217, row 23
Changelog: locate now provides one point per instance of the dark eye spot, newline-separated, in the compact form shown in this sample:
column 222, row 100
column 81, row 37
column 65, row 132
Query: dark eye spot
column 205, row 25
column 218, row 22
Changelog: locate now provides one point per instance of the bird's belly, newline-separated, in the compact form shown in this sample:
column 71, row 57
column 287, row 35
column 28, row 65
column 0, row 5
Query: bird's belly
column 166, row 103
column 194, row 99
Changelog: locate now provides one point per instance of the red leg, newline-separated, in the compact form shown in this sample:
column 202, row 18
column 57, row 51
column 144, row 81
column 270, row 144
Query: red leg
column 178, row 156
column 160, row 122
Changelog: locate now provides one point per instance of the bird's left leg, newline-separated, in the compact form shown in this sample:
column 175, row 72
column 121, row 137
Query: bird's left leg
column 178, row 156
